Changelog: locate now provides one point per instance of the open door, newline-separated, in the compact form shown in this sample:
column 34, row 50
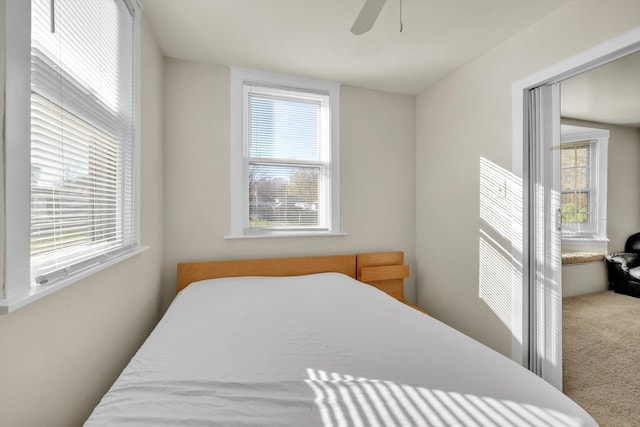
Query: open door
column 545, row 269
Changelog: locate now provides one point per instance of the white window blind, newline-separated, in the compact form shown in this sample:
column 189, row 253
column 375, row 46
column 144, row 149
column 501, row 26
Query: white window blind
column 287, row 159
column 82, row 135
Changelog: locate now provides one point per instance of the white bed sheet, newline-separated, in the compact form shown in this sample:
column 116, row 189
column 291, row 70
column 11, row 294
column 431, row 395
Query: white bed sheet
column 319, row 350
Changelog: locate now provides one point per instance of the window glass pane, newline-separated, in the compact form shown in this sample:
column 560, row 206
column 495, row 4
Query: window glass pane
column 582, row 207
column 89, row 57
column 288, row 149
column 73, row 183
column 582, row 156
column 568, row 179
column 575, row 183
column 284, row 196
column 568, row 208
column 582, row 178
column 283, row 128
column 575, row 207
column 568, row 157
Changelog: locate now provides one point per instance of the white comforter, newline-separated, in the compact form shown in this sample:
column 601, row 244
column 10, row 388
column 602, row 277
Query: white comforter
column 319, row 350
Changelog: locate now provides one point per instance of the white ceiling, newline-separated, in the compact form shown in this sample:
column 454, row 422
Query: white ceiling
column 312, row 38
column 607, row 94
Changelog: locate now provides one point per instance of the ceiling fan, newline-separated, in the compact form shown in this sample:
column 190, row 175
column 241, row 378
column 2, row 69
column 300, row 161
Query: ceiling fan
column 367, row 16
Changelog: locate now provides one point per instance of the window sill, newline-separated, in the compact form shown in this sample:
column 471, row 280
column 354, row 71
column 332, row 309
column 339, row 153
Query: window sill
column 578, row 239
column 585, row 244
column 578, row 258
column 7, row 305
column 276, row 234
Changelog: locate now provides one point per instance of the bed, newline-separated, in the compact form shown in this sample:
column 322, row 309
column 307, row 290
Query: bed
column 302, row 342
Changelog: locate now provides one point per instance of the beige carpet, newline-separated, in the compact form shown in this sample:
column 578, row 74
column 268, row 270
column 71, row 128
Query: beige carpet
column 601, row 356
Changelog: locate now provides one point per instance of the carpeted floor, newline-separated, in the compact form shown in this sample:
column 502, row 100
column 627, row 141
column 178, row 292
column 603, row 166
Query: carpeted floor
column 601, row 356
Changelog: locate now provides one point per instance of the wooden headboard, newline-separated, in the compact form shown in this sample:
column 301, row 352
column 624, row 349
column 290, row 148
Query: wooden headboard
column 384, row 270
column 189, row 272
column 381, row 269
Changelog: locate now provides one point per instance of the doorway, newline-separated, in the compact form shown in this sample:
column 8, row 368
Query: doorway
column 599, row 343
column 535, row 104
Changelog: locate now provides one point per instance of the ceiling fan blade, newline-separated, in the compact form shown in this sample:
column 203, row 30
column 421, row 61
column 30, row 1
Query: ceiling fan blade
column 367, row 16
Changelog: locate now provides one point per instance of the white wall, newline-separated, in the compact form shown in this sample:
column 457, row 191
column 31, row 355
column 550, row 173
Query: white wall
column 59, row 355
column 585, row 278
column 377, row 174
column 623, row 193
column 464, row 127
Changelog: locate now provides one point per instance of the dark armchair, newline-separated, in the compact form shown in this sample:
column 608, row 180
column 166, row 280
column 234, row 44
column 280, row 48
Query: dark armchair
column 624, row 268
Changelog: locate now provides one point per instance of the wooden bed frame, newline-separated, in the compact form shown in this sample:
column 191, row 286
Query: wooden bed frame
column 384, row 270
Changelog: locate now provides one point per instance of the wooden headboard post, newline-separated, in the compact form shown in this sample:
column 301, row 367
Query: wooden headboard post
column 384, row 270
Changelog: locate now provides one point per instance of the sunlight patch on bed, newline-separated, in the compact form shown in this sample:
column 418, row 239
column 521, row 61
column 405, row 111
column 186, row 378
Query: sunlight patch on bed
column 345, row 400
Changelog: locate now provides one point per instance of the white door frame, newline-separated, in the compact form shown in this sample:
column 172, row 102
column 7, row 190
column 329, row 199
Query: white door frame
column 542, row 194
column 527, row 263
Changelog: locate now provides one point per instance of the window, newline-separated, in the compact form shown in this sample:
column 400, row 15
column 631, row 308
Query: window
column 583, row 183
column 80, row 111
column 284, row 155
column 577, row 186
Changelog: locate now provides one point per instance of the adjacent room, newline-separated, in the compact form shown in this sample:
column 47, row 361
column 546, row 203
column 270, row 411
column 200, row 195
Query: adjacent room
column 363, row 144
column 601, row 210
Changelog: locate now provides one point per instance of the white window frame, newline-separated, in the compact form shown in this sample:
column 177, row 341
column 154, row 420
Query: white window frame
column 594, row 237
column 18, row 290
column 239, row 207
